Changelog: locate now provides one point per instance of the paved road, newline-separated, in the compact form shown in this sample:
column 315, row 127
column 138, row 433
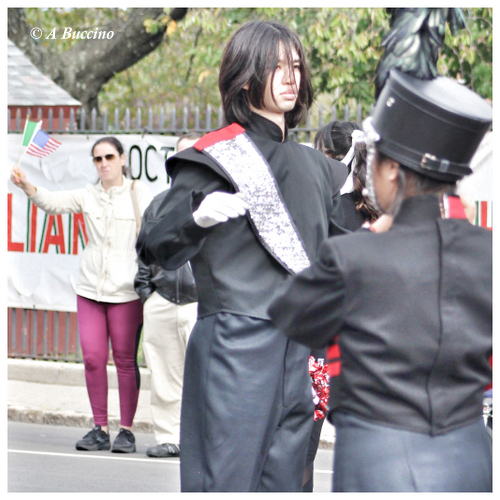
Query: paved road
column 42, row 458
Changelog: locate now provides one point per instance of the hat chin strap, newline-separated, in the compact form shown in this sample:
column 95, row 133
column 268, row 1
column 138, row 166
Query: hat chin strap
column 370, row 137
column 426, row 164
column 443, row 166
column 369, row 190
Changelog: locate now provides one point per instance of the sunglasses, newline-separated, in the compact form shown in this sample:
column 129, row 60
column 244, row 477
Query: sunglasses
column 110, row 157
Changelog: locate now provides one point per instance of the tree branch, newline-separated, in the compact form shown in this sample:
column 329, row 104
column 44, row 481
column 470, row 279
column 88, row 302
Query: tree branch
column 84, row 68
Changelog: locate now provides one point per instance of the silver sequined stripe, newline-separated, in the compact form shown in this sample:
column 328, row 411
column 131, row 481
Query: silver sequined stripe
column 250, row 172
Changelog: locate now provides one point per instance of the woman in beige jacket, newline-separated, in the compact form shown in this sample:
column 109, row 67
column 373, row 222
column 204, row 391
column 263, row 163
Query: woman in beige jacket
column 108, row 307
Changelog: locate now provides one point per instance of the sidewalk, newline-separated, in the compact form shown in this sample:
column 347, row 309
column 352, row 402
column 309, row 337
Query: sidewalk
column 48, row 392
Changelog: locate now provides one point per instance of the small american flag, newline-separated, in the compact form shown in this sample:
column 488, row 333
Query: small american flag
column 42, row 145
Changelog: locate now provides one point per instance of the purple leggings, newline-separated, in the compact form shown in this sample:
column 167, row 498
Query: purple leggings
column 98, row 323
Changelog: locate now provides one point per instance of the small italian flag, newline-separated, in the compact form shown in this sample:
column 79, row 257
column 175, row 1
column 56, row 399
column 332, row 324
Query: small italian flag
column 36, row 142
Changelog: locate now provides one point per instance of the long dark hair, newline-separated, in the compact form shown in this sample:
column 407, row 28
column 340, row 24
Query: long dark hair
column 334, row 140
column 250, row 58
column 359, row 183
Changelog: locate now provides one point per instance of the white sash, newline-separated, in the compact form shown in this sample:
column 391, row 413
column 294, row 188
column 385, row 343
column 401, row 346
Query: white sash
column 243, row 163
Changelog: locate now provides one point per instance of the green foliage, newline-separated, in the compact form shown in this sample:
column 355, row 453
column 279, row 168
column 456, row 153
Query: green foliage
column 342, row 46
column 468, row 56
column 343, row 51
column 339, row 44
column 184, row 69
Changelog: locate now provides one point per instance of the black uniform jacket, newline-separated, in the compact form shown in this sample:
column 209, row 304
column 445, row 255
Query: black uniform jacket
column 234, row 272
column 354, row 218
column 412, row 309
column 176, row 286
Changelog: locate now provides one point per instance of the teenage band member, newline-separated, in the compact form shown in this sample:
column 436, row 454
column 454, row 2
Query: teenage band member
column 408, row 312
column 248, row 207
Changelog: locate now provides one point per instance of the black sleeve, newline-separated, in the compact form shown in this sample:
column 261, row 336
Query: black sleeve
column 142, row 281
column 310, row 308
column 337, row 221
column 172, row 237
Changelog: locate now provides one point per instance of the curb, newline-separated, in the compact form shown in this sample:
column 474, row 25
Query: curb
column 59, row 373
column 26, row 415
column 54, row 373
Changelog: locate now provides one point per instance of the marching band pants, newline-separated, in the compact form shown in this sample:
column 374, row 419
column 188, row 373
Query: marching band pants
column 247, row 408
column 376, row 458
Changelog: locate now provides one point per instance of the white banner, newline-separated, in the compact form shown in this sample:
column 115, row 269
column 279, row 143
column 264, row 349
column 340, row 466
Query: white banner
column 43, row 251
column 479, row 185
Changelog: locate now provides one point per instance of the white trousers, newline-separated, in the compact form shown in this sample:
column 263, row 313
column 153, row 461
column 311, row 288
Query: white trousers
column 166, row 331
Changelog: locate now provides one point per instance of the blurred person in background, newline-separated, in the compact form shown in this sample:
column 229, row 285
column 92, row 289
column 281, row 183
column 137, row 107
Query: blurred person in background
column 170, row 309
column 344, row 142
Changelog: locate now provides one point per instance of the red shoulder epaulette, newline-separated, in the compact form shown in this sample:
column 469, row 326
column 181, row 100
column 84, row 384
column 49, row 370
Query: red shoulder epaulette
column 455, row 208
column 223, row 134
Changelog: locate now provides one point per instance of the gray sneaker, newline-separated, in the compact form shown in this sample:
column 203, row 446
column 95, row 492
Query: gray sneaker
column 94, row 440
column 124, row 442
column 163, row 451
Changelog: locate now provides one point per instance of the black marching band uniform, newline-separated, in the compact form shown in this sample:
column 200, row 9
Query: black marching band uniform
column 411, row 310
column 247, row 407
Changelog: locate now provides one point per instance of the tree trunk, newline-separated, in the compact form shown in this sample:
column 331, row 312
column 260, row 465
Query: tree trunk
column 85, row 67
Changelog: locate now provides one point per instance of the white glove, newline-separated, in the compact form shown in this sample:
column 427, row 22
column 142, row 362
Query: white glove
column 219, row 207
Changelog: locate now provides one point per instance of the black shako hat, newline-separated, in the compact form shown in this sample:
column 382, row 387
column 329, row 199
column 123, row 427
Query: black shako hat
column 431, row 126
